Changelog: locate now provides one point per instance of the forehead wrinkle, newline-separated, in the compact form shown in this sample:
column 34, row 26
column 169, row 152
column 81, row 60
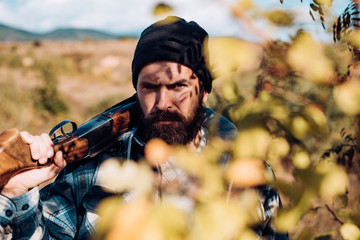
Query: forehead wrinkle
column 151, row 77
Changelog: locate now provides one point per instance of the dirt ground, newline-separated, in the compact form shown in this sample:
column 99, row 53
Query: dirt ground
column 89, row 72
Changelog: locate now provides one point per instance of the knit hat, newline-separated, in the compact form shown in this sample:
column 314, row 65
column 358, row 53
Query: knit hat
column 173, row 39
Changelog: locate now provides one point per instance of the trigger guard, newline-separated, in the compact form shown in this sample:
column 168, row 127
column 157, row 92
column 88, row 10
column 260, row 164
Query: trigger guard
column 60, row 126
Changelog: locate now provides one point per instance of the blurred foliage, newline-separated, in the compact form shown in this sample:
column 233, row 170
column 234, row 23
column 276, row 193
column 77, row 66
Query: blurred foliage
column 346, row 28
column 347, row 21
column 47, row 97
column 162, row 9
column 10, row 100
column 234, row 214
column 23, row 100
column 317, row 6
column 296, row 105
column 280, row 18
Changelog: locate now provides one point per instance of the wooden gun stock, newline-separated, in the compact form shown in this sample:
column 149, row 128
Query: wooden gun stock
column 88, row 140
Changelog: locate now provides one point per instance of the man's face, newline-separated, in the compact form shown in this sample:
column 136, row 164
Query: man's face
column 170, row 98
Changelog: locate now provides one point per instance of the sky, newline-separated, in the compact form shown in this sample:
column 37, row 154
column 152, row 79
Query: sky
column 132, row 16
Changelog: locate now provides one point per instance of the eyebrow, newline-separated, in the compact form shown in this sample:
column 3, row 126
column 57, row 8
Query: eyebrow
column 151, row 84
column 148, row 84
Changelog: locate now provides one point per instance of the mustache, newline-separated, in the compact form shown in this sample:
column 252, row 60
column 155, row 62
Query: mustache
column 165, row 116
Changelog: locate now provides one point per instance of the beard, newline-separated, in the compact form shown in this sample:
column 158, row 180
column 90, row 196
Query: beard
column 178, row 130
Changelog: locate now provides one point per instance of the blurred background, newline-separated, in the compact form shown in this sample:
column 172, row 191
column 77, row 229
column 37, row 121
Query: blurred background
column 69, row 59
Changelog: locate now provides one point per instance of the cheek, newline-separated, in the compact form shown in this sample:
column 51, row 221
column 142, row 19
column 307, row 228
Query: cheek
column 189, row 95
column 187, row 101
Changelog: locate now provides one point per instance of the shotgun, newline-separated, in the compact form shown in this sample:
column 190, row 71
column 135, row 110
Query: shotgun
column 91, row 138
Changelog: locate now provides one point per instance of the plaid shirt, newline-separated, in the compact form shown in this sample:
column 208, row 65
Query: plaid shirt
column 66, row 209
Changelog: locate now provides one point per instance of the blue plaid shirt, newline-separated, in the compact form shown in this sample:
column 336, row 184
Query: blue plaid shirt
column 66, row 209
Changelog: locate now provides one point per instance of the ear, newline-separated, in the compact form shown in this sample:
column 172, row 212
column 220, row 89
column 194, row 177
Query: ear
column 205, row 97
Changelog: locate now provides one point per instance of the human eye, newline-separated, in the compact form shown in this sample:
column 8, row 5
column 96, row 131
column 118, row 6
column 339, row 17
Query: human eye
column 178, row 85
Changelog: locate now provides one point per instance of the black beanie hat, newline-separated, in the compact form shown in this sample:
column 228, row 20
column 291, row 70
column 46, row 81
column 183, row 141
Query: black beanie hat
column 173, row 39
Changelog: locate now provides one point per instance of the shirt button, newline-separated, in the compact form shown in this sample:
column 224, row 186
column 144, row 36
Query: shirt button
column 8, row 213
column 26, row 206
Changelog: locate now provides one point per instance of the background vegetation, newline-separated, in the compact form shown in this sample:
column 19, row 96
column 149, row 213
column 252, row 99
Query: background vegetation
column 296, row 104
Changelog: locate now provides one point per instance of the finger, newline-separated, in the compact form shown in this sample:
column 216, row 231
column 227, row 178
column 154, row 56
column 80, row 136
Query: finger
column 59, row 160
column 28, row 138
column 43, row 149
column 58, row 165
column 47, row 138
column 49, row 145
column 35, row 148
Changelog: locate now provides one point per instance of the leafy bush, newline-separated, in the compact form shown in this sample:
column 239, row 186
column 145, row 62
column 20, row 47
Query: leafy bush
column 296, row 105
column 47, row 97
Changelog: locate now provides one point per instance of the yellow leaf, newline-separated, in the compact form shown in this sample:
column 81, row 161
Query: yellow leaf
column 247, row 4
column 247, row 172
column 279, row 147
column 228, row 54
column 242, row 6
column 350, row 231
column 127, row 176
column 171, row 220
column 347, row 97
column 301, row 160
column 287, row 220
column 307, row 56
column 299, row 127
column 217, row 220
column 353, row 37
column 334, row 182
column 128, row 218
column 323, row 2
column 228, row 90
column 248, row 235
column 318, row 117
column 162, row 9
column 252, row 143
column 280, row 17
column 157, row 152
column 279, row 112
column 107, row 210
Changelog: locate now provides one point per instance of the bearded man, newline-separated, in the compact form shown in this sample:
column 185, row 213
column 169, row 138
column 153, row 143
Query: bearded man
column 172, row 83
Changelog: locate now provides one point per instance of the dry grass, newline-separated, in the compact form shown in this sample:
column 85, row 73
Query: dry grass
column 90, row 75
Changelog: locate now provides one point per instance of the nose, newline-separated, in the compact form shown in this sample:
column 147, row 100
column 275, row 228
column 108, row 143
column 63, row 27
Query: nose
column 163, row 101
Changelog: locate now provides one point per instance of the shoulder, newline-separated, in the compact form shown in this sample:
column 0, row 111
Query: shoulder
column 215, row 122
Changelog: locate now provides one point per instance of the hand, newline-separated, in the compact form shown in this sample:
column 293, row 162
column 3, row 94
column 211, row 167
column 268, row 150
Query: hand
column 41, row 148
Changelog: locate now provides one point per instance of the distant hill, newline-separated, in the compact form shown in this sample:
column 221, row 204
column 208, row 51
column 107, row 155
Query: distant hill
column 13, row 34
column 77, row 34
column 8, row 33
